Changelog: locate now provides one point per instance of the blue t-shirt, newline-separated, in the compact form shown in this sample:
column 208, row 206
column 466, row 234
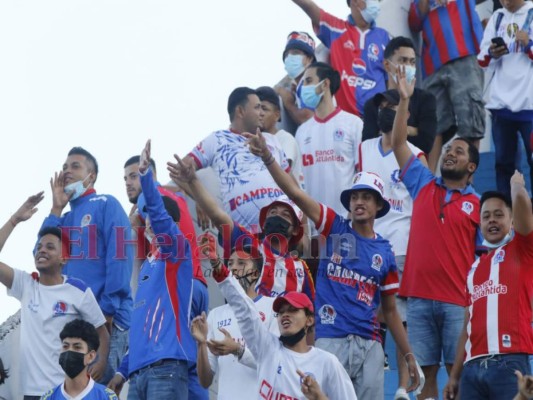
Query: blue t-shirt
column 93, row 391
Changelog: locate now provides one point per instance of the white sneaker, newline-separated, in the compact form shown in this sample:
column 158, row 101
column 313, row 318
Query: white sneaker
column 401, row 394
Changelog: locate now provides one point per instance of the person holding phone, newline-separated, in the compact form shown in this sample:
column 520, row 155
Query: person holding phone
column 507, row 49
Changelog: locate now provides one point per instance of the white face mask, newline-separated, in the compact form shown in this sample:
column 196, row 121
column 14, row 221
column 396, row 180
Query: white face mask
column 506, row 239
column 76, row 188
column 410, row 73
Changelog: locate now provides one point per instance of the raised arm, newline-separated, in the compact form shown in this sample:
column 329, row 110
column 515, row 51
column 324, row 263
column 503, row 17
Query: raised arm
column 26, row 210
column 399, row 129
column 184, row 174
column 522, row 215
column 311, row 9
column 286, row 182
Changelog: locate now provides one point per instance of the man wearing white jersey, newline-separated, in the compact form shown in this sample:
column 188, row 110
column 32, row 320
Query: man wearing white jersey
column 376, row 155
column 328, row 141
column 287, row 368
column 221, row 346
column 48, row 301
column 497, row 335
column 245, row 184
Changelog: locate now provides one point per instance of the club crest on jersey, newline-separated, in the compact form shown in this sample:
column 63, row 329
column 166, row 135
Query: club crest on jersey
column 262, row 316
column 395, row 176
column 377, row 262
column 373, row 52
column 500, row 256
column 327, row 314
column 60, row 308
column 512, row 29
column 506, row 340
column 359, row 67
column 338, row 135
column 349, row 45
column 336, row 258
column 467, row 207
column 86, row 220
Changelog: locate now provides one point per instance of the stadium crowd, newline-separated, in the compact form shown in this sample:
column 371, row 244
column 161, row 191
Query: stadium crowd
column 355, row 216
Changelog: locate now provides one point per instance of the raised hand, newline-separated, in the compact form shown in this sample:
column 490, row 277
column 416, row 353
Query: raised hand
column 225, row 346
column 208, row 247
column 27, row 209
column 182, row 170
column 310, row 387
column 257, row 144
column 518, row 179
column 59, row 197
column 199, row 328
column 144, row 162
column 405, row 89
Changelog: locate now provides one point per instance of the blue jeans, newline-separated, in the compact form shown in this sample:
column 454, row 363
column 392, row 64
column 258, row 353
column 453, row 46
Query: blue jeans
column 118, row 346
column 166, row 381
column 492, row 377
column 505, row 135
column 433, row 329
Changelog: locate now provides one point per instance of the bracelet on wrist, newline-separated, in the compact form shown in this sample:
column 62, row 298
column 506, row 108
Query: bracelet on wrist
column 240, row 352
column 270, row 159
column 408, row 354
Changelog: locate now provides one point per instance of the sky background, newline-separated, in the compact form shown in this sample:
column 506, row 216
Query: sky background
column 107, row 75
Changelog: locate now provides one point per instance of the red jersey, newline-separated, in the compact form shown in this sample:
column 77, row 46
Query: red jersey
column 500, row 288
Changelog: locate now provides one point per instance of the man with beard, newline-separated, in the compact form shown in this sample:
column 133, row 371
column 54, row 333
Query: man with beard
column 442, row 243
column 282, row 229
column 245, row 184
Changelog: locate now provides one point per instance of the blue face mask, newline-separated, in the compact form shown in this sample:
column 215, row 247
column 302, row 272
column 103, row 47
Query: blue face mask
column 309, row 97
column 294, row 65
column 410, row 73
column 506, row 239
column 371, row 12
column 77, row 188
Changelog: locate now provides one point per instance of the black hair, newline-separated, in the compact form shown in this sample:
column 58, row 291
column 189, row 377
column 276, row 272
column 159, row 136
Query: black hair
column 51, row 230
column 395, row 44
column 172, row 208
column 326, row 71
column 137, row 159
column 79, row 328
column 266, row 93
column 80, row 151
column 239, row 97
column 254, row 253
column 473, row 152
column 494, row 194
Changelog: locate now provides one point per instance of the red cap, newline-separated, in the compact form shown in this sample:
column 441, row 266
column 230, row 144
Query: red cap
column 295, row 299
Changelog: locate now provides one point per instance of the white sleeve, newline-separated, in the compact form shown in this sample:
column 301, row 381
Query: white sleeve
column 358, row 136
column 213, row 360
column 20, row 280
column 90, row 310
column 204, row 151
column 248, row 359
column 489, row 33
column 338, row 384
column 256, row 336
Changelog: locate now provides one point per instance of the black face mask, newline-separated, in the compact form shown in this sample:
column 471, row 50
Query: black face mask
column 276, row 224
column 291, row 340
column 386, row 119
column 72, row 363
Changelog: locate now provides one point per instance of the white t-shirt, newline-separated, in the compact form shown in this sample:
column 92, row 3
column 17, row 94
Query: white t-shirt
column 292, row 151
column 329, row 156
column 44, row 312
column 237, row 379
column 277, row 365
column 396, row 224
column 245, row 183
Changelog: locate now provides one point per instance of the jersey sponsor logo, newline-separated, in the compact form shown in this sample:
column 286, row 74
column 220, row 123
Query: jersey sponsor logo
column 506, row 340
column 366, row 293
column 349, row 45
column 99, row 198
column 266, row 392
column 327, row 314
column 307, row 159
column 86, row 220
column 345, row 276
column 60, row 308
column 377, row 262
column 357, row 81
column 359, row 67
column 373, row 52
column 253, row 195
column 338, row 135
column 467, row 207
column 487, row 288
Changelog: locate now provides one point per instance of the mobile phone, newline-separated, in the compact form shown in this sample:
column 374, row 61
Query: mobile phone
column 498, row 41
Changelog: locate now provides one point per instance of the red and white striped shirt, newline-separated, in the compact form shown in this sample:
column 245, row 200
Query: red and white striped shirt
column 500, row 288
